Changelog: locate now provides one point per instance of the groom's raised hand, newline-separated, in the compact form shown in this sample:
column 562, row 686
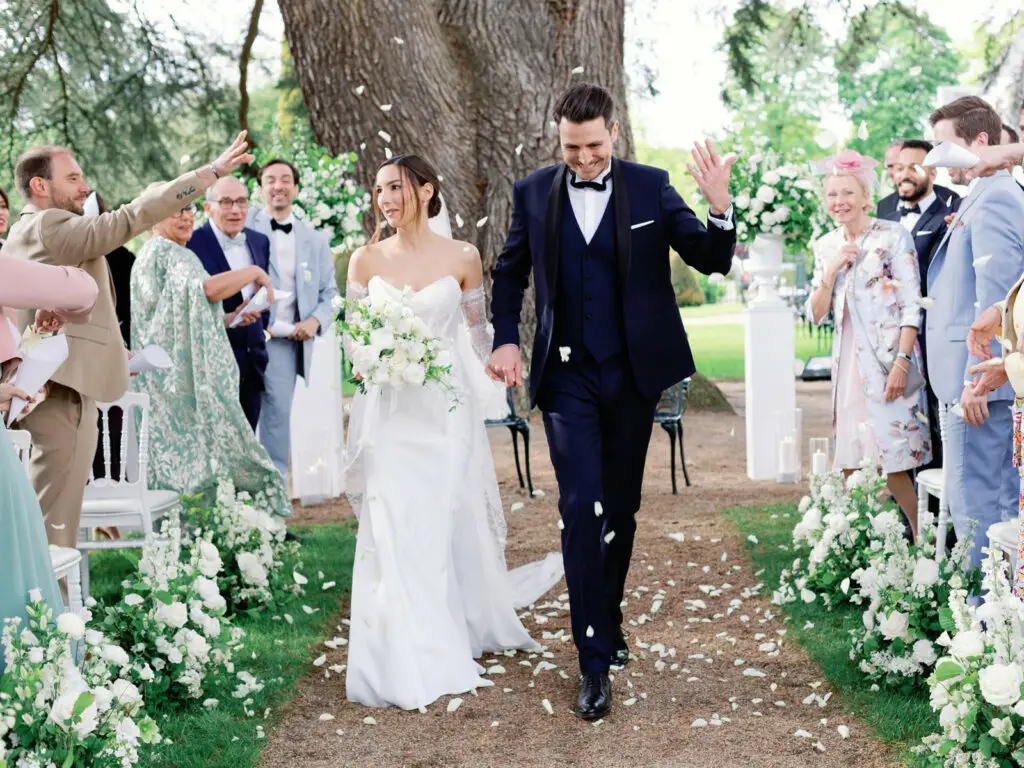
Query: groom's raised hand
column 712, row 176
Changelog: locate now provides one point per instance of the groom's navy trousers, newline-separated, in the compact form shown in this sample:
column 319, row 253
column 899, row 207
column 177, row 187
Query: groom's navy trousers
column 609, row 340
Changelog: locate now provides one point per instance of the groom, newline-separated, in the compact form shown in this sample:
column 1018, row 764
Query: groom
column 595, row 232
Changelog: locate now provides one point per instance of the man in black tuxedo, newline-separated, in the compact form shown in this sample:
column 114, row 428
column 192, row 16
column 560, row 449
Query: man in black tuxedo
column 923, row 213
column 595, row 233
column 889, row 204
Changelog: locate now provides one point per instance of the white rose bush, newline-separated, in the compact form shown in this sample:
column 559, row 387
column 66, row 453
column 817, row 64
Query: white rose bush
column 390, row 346
column 54, row 712
column 775, row 196
column 907, row 593
column 977, row 684
column 842, row 522
column 173, row 621
column 238, row 532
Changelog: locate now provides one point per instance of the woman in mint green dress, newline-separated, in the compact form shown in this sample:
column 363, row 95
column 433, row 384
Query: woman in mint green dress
column 24, row 552
column 198, row 432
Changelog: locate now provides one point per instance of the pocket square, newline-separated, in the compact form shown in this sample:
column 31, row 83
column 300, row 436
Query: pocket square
column 642, row 224
column 925, row 232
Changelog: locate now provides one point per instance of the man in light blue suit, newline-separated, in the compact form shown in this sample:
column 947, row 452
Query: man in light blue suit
column 977, row 262
column 300, row 264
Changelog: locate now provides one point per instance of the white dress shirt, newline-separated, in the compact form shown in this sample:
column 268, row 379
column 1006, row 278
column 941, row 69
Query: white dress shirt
column 589, row 205
column 283, row 244
column 237, row 253
column 909, row 220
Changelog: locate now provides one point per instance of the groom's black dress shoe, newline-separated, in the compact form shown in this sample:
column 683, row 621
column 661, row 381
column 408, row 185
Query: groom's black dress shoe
column 289, row 536
column 620, row 650
column 595, row 699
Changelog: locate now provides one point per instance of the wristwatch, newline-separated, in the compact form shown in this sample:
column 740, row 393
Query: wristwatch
column 213, row 168
column 905, row 356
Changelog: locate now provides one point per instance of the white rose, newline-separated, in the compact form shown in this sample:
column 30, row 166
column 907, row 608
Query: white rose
column 36, row 655
column 770, row 177
column 382, row 375
column 924, row 652
column 416, row 350
column 837, row 522
column 926, row 572
column 115, row 654
column 364, row 357
column 252, row 570
column 382, row 338
column 766, row 194
column 967, row 645
column 71, row 624
column 1000, row 683
column 414, row 374
column 210, row 594
column 126, row 694
column 132, row 600
column 939, row 696
column 173, row 615
column 895, row 626
column 756, row 205
column 782, row 213
column 869, row 619
column 741, row 201
column 949, row 717
column 209, row 562
column 778, row 229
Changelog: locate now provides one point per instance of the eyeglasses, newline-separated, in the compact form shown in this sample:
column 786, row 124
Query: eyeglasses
column 188, row 210
column 227, row 205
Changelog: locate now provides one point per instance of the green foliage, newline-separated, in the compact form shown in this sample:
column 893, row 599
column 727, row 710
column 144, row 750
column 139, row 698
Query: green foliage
column 890, row 65
column 718, row 349
column 674, row 160
column 685, row 283
column 129, row 99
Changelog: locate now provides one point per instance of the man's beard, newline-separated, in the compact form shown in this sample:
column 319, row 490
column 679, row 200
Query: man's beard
column 68, row 204
column 919, row 192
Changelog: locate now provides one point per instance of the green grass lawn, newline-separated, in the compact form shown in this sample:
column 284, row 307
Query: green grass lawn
column 225, row 736
column 718, row 349
column 899, row 719
column 711, row 310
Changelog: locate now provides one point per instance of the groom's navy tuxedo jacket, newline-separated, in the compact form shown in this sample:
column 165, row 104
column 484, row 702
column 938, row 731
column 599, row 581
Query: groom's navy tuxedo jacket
column 645, row 218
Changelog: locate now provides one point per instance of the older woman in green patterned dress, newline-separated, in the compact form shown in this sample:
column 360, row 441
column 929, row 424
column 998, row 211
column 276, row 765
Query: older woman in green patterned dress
column 198, row 431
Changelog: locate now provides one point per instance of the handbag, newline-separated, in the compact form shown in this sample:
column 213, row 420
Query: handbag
column 915, row 379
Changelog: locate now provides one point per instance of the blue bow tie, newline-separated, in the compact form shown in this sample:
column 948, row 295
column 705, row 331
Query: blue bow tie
column 238, row 241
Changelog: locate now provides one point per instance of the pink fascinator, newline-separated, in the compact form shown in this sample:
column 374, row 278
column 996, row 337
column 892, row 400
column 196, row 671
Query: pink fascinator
column 850, row 163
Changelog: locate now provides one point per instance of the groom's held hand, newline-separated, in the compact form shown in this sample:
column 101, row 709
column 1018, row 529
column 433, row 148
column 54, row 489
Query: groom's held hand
column 506, row 366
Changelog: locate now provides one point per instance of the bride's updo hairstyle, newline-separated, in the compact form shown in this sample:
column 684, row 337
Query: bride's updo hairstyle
column 415, row 173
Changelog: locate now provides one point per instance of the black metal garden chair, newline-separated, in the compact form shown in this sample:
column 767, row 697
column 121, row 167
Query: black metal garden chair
column 669, row 415
column 517, row 425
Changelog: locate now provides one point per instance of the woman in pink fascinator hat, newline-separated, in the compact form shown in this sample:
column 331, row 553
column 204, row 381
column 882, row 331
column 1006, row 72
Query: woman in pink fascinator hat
column 866, row 278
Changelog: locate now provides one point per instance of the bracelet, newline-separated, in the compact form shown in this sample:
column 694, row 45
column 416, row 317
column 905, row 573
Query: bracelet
column 905, row 356
column 904, row 368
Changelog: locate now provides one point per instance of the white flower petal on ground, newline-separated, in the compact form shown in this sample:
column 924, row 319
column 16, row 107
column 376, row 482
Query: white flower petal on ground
column 325, row 717
column 516, row 507
column 328, row 585
column 752, row 539
column 844, row 731
column 454, row 705
column 320, row 660
column 751, row 672
column 370, row 720
column 801, row 733
column 497, row 669
column 299, row 578
column 700, row 722
column 547, row 707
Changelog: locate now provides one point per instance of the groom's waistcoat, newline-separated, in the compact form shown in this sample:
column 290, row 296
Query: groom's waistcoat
column 588, row 307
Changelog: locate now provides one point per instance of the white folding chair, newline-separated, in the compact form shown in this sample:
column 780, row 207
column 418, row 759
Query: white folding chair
column 932, row 482
column 22, row 445
column 119, row 501
column 1003, row 536
column 67, row 565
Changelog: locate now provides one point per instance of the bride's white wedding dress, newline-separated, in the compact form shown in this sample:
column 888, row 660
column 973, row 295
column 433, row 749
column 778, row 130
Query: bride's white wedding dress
column 430, row 590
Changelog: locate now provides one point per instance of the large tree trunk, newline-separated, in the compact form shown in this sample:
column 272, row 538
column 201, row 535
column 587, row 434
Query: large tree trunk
column 471, row 84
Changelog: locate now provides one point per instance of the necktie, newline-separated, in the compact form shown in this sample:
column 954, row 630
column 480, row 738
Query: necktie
column 276, row 226
column 600, row 186
column 904, row 210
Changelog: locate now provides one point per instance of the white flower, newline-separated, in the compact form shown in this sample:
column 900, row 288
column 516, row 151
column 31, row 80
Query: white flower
column 742, row 201
column 252, row 570
column 949, row 717
column 894, row 626
column 414, row 374
column 782, row 213
column 756, row 206
column 116, row 655
column 1000, row 683
column 926, row 572
column 36, row 655
column 766, row 194
column 967, row 645
column 174, row 615
column 127, row 695
column 35, row 596
column 770, row 177
column 924, row 652
column 382, row 338
column 71, row 625
column 210, row 594
column 209, row 562
column 132, row 600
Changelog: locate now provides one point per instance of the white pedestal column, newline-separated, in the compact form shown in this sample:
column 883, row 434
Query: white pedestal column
column 768, row 355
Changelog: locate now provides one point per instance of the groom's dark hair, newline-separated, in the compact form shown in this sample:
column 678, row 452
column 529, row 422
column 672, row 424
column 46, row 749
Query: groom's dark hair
column 585, row 102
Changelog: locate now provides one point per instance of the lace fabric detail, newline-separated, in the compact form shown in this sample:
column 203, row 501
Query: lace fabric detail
column 474, row 312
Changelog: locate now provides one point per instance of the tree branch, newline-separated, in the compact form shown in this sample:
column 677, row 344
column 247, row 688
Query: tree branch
column 243, row 66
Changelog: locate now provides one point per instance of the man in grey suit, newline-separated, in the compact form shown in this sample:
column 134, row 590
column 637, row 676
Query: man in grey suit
column 300, row 264
column 976, row 263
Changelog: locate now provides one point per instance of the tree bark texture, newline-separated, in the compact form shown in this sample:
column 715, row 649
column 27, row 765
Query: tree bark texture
column 469, row 82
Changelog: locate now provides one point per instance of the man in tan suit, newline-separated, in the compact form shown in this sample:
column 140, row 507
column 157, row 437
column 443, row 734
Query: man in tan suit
column 52, row 230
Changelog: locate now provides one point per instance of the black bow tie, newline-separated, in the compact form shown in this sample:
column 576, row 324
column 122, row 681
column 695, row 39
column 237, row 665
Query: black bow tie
column 276, row 225
column 904, row 210
column 600, row 186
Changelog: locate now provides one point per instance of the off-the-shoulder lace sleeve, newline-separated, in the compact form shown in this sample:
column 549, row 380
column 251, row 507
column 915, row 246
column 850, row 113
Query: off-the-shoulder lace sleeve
column 353, row 292
column 474, row 310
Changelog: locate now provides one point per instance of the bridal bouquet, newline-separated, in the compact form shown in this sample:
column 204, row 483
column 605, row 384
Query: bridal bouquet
column 842, row 523
column 908, row 594
column 391, row 347
column 976, row 686
column 56, row 713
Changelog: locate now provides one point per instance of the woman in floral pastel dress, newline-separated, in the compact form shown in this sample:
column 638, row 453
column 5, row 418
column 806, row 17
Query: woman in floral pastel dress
column 866, row 276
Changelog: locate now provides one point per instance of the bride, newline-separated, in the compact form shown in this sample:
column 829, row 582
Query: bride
column 430, row 590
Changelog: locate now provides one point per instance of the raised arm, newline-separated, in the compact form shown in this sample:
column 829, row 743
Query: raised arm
column 71, row 239
column 226, row 284
column 69, row 292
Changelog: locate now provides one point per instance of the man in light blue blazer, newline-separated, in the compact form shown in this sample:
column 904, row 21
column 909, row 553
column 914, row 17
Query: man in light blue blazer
column 977, row 262
column 300, row 264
